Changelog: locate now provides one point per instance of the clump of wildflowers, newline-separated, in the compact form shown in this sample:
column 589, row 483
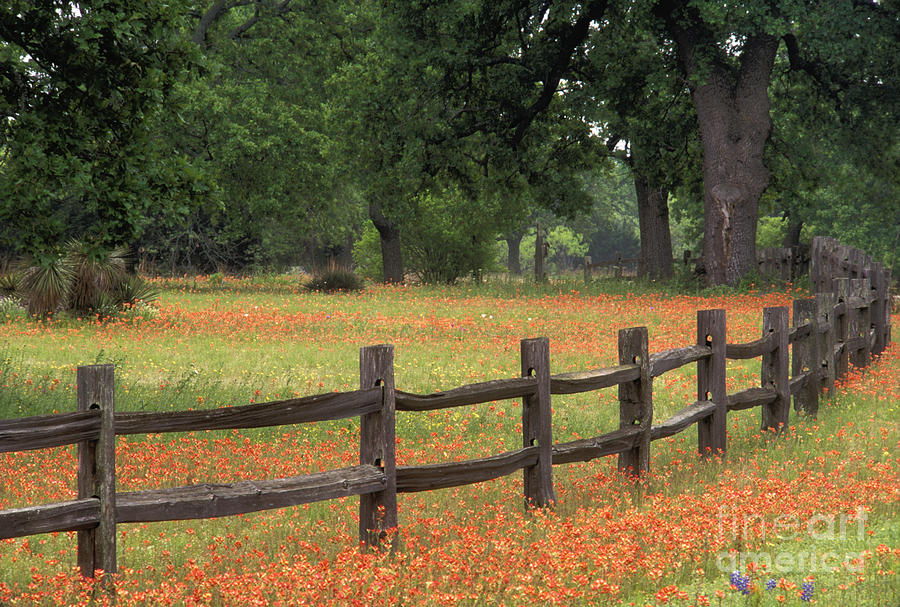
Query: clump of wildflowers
column 807, row 594
column 740, row 582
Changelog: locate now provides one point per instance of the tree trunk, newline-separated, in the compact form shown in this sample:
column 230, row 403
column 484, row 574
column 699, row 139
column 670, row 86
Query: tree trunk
column 391, row 258
column 656, row 240
column 792, row 238
column 513, row 260
column 733, row 113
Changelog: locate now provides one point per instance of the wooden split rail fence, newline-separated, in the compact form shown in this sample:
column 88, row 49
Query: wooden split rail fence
column 829, row 331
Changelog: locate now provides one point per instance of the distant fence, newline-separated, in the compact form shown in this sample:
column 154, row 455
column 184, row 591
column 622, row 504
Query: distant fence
column 785, row 263
column 846, row 324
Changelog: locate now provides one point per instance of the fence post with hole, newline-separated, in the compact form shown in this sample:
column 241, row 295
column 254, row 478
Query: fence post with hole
column 775, row 370
column 97, row 470
column 378, row 510
column 711, row 431
column 636, row 399
column 537, row 429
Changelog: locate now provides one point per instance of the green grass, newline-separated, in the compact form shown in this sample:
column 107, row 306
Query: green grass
column 198, row 354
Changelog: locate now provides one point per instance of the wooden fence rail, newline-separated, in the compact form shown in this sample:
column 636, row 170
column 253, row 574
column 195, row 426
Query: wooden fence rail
column 845, row 325
column 784, row 263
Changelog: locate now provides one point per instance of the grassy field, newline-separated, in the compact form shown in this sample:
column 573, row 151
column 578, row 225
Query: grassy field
column 809, row 517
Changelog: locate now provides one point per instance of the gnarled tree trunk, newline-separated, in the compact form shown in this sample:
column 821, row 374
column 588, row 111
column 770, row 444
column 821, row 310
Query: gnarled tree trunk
column 734, row 127
column 732, row 105
column 389, row 232
column 656, row 239
column 513, row 247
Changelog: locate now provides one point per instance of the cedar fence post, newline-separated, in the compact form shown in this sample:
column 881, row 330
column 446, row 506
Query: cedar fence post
column 860, row 290
column 711, row 431
column 537, row 429
column 827, row 322
column 879, row 294
column 842, row 325
column 97, row 470
column 887, row 307
column 539, row 255
column 774, row 371
column 815, row 265
column 805, row 357
column 378, row 511
column 587, row 269
column 636, row 399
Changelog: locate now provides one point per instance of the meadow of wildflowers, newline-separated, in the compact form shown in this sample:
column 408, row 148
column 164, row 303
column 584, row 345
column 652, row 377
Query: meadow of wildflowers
column 809, row 517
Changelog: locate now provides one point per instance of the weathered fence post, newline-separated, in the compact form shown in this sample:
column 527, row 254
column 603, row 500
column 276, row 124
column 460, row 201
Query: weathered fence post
column 815, row 265
column 539, row 255
column 775, row 369
column 861, row 292
column 636, row 399
column 537, row 428
column 97, row 470
column 711, row 431
column 842, row 325
column 378, row 511
column 887, row 308
column 879, row 296
column 806, row 356
column 587, row 269
column 825, row 317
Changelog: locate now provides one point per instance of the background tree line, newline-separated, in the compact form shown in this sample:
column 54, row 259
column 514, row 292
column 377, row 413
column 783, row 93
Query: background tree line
column 430, row 138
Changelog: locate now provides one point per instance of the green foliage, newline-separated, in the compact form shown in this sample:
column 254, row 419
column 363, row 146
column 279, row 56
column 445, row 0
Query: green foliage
column 447, row 237
column 367, row 254
column 770, row 232
column 335, row 279
column 80, row 89
column 450, row 236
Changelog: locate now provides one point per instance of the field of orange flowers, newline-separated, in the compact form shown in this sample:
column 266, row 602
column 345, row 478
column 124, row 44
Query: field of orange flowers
column 810, row 517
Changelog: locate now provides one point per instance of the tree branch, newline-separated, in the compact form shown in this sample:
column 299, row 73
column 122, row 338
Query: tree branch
column 571, row 37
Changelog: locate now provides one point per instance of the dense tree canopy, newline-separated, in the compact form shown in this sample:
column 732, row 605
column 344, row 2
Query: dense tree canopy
column 226, row 134
column 80, row 84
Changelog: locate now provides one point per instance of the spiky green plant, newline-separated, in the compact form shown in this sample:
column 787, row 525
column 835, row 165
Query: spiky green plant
column 133, row 289
column 335, row 279
column 45, row 285
column 9, row 283
column 97, row 273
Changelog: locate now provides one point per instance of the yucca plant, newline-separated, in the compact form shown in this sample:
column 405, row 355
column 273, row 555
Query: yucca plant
column 96, row 272
column 45, row 285
column 9, row 283
column 134, row 289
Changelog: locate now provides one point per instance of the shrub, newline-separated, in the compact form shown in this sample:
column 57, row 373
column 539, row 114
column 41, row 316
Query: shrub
column 335, row 279
column 452, row 235
column 367, row 254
